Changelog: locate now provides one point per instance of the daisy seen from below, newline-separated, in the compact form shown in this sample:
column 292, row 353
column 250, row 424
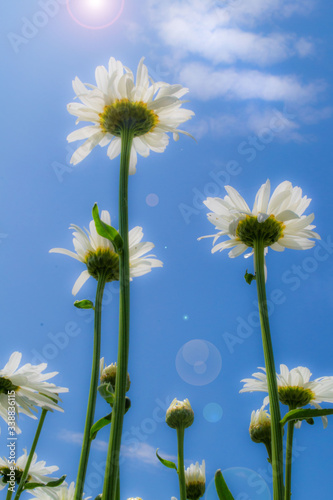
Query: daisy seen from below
column 278, row 220
column 99, row 254
column 294, row 387
column 29, row 386
column 38, row 471
column 149, row 110
column 63, row 492
column 195, row 480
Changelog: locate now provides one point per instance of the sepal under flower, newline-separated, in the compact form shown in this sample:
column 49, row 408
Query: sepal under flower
column 294, row 387
column 149, row 110
column 277, row 220
column 100, row 256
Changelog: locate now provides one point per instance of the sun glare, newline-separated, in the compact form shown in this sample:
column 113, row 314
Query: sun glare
column 95, row 4
column 95, row 14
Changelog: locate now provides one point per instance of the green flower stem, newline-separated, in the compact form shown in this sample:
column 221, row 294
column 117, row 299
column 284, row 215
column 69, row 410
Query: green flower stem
column 9, row 494
column 277, row 448
column 181, row 468
column 118, row 488
column 81, row 474
column 289, row 456
column 31, row 454
column 112, row 461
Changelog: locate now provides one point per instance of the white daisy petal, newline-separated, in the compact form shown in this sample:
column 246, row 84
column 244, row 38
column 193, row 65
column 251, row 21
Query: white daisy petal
column 296, row 385
column 284, row 209
column 84, row 276
column 30, row 386
column 160, row 100
column 92, row 243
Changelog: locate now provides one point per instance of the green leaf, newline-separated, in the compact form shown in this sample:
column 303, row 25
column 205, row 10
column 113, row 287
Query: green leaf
column 249, row 277
column 102, row 422
column 107, row 231
column 167, row 463
column 221, row 487
column 305, row 414
column 107, row 392
column 84, row 304
column 51, row 484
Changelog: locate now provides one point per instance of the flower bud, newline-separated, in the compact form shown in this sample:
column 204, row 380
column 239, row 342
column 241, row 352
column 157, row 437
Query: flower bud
column 179, row 414
column 260, row 426
column 195, row 480
column 108, row 375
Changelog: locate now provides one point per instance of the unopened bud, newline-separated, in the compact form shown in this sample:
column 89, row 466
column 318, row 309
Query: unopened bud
column 260, row 426
column 195, row 480
column 108, row 375
column 179, row 414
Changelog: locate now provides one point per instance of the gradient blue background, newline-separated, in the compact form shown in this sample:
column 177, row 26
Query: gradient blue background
column 197, row 295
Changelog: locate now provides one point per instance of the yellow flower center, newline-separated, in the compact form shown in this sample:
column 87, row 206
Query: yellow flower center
column 9, row 475
column 103, row 260
column 295, row 396
column 124, row 114
column 6, row 386
column 249, row 230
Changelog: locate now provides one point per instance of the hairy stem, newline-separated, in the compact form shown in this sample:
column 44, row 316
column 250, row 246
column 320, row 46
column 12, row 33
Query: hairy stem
column 111, row 478
column 85, row 450
column 277, row 448
column 181, row 468
column 31, row 454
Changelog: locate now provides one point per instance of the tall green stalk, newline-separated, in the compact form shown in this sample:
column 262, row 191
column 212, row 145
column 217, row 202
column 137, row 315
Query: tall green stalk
column 289, row 457
column 112, row 462
column 9, row 494
column 92, row 391
column 30, row 457
column 277, row 447
column 181, row 468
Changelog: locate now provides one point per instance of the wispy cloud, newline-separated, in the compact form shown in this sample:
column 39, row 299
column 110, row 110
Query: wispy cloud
column 143, row 452
column 221, row 35
column 230, row 51
column 206, row 83
column 77, row 438
column 267, row 123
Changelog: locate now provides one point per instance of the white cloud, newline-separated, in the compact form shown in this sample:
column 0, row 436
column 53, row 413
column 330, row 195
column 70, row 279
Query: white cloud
column 220, row 49
column 252, row 12
column 77, row 438
column 246, row 121
column 144, row 452
column 218, row 35
column 207, row 83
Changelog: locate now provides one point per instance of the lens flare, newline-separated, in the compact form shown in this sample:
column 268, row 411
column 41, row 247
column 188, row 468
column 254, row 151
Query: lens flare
column 95, row 14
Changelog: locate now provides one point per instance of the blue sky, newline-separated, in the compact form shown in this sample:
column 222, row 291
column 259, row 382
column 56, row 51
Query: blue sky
column 260, row 76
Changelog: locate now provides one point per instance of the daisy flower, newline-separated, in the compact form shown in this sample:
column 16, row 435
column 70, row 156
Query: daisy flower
column 38, row 472
column 278, row 220
column 294, row 387
column 63, row 492
column 28, row 388
column 195, row 480
column 99, row 254
column 116, row 102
